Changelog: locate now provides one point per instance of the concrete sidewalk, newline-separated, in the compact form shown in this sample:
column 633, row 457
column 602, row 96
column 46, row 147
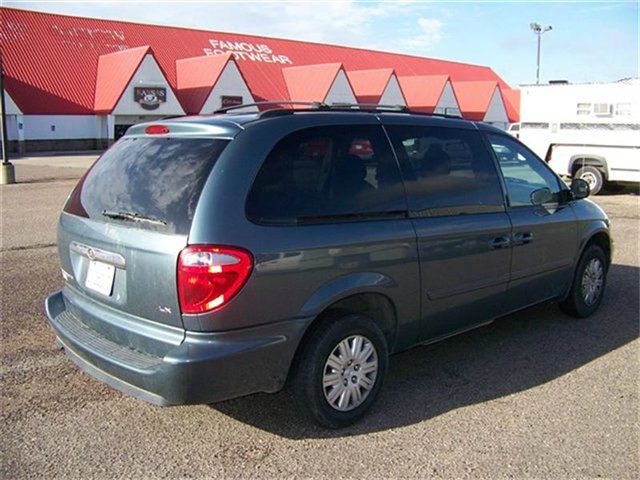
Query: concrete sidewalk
column 59, row 160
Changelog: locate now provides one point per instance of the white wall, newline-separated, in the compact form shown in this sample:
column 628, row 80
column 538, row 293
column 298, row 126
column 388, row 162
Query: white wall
column 496, row 113
column 12, row 127
column 447, row 102
column 340, row 91
column 10, row 105
column 39, row 127
column 392, row 94
column 230, row 83
column 148, row 75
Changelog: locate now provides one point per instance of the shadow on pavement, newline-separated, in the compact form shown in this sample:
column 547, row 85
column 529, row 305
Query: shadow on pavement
column 512, row 354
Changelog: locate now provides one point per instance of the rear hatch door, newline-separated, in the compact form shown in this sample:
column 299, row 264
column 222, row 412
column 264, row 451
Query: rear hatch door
column 126, row 221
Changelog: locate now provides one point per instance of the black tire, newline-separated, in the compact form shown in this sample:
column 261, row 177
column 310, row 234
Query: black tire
column 593, row 176
column 307, row 384
column 575, row 304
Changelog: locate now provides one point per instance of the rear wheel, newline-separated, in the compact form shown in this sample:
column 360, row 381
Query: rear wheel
column 341, row 370
column 588, row 285
column 593, row 176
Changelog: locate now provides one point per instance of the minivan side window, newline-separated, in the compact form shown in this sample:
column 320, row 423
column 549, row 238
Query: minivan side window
column 327, row 174
column 523, row 172
column 447, row 171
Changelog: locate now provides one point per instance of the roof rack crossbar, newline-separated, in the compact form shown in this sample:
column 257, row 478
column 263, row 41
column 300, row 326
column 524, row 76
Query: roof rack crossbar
column 323, row 106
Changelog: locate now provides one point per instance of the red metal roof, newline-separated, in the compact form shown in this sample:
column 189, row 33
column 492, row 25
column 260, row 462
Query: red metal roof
column 115, row 71
column 310, row 83
column 423, row 92
column 369, row 85
column 474, row 98
column 512, row 103
column 51, row 61
column 196, row 77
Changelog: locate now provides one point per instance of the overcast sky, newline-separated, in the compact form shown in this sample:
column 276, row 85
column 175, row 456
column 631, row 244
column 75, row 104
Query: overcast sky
column 590, row 41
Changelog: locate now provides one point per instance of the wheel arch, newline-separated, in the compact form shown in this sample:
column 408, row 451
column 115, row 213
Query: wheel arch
column 370, row 303
column 603, row 240
column 597, row 234
column 578, row 161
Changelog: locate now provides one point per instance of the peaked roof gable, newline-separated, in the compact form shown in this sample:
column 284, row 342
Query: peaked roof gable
column 423, row 92
column 115, row 71
column 310, row 83
column 196, row 77
column 511, row 98
column 369, row 85
column 474, row 97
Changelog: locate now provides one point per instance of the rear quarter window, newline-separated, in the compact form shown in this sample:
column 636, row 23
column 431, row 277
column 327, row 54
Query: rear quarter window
column 156, row 180
column 327, row 174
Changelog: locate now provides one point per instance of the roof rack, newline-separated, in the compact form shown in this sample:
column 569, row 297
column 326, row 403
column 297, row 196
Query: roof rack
column 313, row 105
column 332, row 107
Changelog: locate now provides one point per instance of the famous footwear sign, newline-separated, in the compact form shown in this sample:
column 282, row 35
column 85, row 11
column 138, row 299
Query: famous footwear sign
column 254, row 52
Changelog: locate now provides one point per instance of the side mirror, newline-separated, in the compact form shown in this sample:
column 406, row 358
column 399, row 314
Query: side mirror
column 541, row 196
column 579, row 188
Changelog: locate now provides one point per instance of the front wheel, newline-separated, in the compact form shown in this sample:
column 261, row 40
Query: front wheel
column 588, row 285
column 341, row 369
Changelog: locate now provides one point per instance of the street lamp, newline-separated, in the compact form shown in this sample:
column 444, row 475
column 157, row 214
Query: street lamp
column 539, row 30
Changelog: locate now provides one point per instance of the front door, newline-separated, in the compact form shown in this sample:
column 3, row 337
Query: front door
column 544, row 237
column 458, row 211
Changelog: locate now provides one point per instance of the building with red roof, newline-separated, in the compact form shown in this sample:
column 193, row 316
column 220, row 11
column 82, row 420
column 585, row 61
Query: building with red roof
column 80, row 82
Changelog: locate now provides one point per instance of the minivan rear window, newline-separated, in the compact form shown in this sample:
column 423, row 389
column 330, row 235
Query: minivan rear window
column 149, row 183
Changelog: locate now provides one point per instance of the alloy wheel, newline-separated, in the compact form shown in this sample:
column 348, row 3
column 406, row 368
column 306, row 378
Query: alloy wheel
column 350, row 373
column 592, row 280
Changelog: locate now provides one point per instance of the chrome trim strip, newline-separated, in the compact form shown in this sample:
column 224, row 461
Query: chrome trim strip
column 92, row 253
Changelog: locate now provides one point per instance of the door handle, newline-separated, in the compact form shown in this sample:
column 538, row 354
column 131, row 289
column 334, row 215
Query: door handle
column 500, row 242
column 522, row 238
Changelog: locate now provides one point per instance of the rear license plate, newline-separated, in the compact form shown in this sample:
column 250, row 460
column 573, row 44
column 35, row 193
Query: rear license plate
column 100, row 277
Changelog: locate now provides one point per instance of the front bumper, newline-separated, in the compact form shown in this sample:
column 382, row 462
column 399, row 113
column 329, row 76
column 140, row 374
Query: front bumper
column 197, row 368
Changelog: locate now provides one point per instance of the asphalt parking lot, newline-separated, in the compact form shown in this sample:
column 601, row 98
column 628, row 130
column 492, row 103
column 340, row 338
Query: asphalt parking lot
column 536, row 394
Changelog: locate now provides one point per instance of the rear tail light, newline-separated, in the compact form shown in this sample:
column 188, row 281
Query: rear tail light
column 209, row 276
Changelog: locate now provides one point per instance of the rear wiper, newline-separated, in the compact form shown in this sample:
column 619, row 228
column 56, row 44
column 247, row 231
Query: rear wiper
column 133, row 217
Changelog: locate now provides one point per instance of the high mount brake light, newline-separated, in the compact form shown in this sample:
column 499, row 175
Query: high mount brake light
column 209, row 276
column 156, row 130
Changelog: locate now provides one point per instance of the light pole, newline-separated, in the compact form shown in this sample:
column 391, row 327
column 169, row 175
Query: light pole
column 539, row 30
column 7, row 172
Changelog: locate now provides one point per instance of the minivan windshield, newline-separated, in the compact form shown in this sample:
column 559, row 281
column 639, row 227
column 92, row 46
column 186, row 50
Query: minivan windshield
column 149, row 183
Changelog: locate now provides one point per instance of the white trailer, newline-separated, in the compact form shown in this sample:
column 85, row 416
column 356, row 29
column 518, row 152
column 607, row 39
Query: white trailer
column 589, row 131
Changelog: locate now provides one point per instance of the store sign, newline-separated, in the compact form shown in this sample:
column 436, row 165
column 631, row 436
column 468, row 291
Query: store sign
column 150, row 98
column 228, row 101
column 254, row 52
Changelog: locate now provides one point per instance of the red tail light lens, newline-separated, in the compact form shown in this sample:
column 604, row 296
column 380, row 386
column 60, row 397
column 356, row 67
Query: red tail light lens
column 209, row 276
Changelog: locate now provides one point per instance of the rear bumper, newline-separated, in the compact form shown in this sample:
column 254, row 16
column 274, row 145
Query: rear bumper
column 202, row 368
